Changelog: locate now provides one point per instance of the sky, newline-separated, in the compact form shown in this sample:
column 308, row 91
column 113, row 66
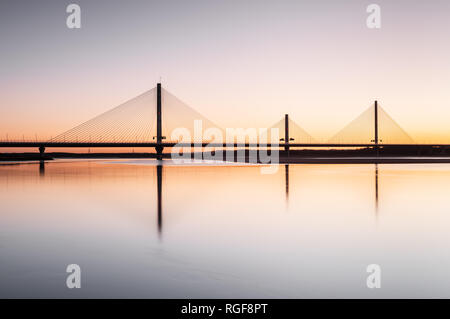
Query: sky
column 239, row 63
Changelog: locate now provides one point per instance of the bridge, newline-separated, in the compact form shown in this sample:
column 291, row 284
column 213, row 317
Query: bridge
column 131, row 124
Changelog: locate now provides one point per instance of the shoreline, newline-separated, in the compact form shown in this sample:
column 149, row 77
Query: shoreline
column 283, row 159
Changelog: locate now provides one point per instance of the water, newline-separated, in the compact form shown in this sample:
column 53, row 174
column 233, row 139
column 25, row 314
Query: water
column 224, row 230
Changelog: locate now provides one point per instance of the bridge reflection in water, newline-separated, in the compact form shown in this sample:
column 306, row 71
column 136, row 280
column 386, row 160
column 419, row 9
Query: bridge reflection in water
column 286, row 181
column 42, row 168
column 159, row 179
column 159, row 172
column 376, row 190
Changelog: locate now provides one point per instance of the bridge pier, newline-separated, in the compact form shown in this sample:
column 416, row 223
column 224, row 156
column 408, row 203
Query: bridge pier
column 41, row 151
column 159, row 150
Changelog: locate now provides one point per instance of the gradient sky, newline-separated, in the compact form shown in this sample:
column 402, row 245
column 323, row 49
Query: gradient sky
column 240, row 63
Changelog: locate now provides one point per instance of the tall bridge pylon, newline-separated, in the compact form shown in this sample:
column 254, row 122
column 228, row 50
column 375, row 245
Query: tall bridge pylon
column 375, row 140
column 292, row 132
column 373, row 126
column 159, row 148
column 151, row 117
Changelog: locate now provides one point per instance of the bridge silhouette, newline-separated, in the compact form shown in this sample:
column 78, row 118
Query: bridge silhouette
column 143, row 121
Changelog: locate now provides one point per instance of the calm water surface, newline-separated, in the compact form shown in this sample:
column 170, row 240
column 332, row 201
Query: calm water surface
column 224, row 230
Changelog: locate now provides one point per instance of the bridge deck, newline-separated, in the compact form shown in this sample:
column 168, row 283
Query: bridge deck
column 173, row 144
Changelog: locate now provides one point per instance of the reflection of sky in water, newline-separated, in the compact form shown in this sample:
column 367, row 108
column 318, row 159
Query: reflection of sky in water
column 225, row 231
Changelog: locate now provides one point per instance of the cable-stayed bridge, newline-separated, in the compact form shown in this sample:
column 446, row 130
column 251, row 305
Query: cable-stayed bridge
column 152, row 118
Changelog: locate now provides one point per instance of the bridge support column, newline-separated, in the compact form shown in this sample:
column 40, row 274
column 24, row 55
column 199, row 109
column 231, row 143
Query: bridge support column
column 41, row 151
column 159, row 150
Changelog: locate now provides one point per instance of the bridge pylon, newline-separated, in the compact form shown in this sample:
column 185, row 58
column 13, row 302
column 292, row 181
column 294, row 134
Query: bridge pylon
column 286, row 133
column 159, row 147
column 376, row 128
column 286, row 138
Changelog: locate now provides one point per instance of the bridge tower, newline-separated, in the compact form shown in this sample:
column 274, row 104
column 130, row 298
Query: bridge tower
column 159, row 148
column 286, row 133
column 376, row 128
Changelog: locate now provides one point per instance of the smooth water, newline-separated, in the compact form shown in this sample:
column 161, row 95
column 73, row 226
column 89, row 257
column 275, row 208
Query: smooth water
column 224, row 231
